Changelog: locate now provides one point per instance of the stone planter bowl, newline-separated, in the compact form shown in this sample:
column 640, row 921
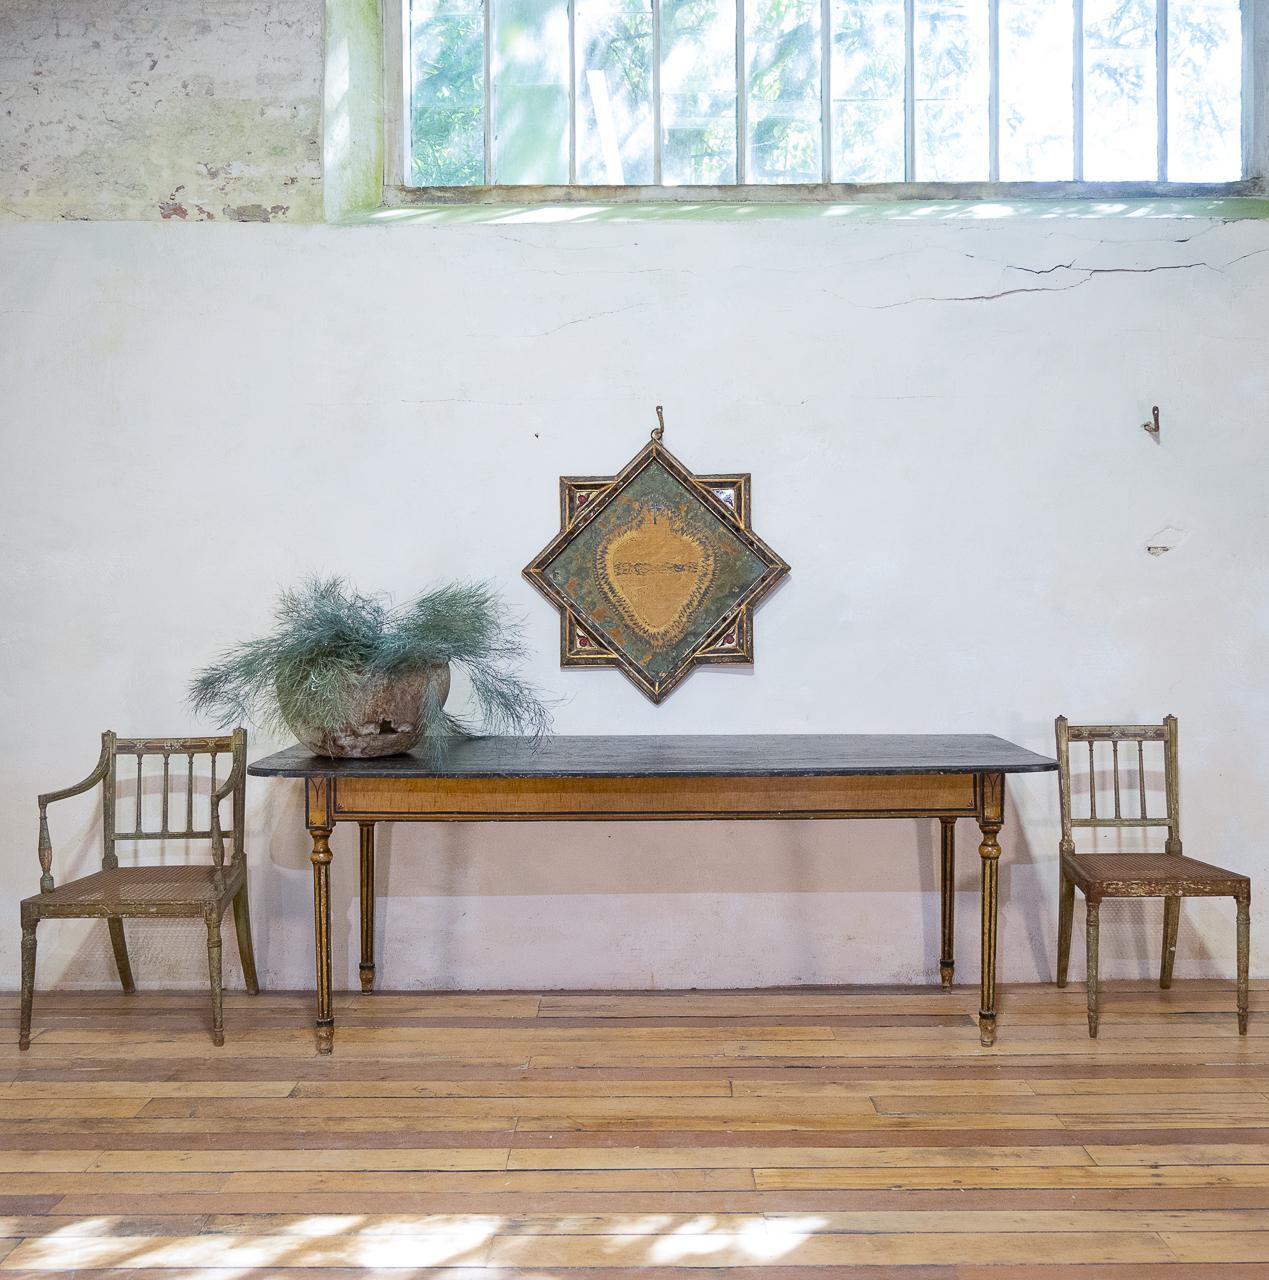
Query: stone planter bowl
column 390, row 719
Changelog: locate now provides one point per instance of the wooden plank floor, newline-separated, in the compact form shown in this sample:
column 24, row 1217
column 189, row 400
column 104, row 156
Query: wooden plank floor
column 858, row 1133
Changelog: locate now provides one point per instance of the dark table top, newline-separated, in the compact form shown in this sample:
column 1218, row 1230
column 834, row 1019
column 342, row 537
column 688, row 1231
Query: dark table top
column 656, row 755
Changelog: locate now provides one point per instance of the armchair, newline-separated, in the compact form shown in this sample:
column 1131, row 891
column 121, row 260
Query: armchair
column 116, row 892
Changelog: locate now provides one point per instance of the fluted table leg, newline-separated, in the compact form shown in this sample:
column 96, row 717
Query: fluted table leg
column 947, row 883
column 1244, row 951
column 991, row 818
column 321, row 855
column 367, row 966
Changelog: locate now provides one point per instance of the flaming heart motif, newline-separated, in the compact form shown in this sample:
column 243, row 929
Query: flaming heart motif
column 656, row 573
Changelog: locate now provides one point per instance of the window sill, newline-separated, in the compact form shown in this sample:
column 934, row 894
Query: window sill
column 905, row 203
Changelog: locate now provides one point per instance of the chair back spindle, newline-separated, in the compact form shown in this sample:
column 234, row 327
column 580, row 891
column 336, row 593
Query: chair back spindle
column 169, row 825
column 1138, row 734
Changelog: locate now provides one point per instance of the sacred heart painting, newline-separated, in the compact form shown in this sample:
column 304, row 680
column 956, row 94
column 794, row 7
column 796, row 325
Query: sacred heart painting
column 655, row 570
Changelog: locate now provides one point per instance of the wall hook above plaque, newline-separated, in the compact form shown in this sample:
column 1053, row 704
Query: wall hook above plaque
column 655, row 570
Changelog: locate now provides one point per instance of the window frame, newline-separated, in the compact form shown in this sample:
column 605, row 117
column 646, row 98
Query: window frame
column 398, row 192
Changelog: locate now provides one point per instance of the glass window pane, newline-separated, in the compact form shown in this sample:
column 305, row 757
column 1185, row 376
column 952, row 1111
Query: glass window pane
column 1204, row 91
column 1036, row 113
column 1120, row 142
column 614, row 91
column 867, row 86
column 530, row 91
column 447, row 96
column 951, row 90
column 698, row 92
column 782, row 57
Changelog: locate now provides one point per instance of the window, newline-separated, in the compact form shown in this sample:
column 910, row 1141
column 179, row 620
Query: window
column 722, row 93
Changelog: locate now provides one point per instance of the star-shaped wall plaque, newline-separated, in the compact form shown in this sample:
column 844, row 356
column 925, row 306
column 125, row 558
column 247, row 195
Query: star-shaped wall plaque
column 655, row 570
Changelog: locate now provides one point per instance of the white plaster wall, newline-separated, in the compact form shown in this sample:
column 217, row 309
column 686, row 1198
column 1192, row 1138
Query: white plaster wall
column 941, row 418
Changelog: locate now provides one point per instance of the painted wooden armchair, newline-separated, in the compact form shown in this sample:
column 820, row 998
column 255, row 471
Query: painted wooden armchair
column 1167, row 875
column 116, row 892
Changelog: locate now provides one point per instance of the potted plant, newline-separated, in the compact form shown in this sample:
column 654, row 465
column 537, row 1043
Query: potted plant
column 353, row 675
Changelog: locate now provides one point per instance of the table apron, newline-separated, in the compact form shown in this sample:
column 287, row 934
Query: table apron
column 606, row 799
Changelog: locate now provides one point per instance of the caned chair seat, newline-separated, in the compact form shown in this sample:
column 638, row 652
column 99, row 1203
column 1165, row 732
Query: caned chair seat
column 140, row 891
column 1152, row 875
column 117, row 893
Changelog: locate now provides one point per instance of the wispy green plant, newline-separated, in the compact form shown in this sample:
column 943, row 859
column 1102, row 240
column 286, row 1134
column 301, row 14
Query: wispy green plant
column 330, row 639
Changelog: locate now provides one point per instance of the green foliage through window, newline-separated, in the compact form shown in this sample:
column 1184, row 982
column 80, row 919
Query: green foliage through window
column 715, row 92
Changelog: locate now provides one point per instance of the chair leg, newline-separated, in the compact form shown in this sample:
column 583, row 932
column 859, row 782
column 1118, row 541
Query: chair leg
column 1171, row 920
column 1093, row 930
column 242, row 924
column 1066, row 916
column 1244, row 950
column 120, row 946
column 28, row 982
column 213, row 967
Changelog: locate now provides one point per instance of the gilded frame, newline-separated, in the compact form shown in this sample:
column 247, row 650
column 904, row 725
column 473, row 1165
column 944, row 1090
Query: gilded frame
column 727, row 497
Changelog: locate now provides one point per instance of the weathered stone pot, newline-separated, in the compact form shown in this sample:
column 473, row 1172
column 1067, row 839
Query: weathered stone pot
column 390, row 719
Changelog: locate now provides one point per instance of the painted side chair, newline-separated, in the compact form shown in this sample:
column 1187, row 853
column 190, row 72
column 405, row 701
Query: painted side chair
column 1168, row 875
column 116, row 892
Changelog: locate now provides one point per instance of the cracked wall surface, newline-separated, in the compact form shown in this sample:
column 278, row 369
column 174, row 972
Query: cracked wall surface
column 942, row 416
column 161, row 110
column 943, row 420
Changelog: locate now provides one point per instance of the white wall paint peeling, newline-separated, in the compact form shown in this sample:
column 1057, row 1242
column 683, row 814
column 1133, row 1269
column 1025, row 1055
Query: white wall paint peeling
column 942, row 423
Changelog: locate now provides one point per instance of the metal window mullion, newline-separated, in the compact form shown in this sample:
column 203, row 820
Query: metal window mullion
column 993, row 90
column 657, row 148
column 826, row 90
column 572, row 92
column 909, row 90
column 399, row 93
column 1077, row 91
column 1161, row 83
column 488, row 92
column 1249, row 87
column 742, row 99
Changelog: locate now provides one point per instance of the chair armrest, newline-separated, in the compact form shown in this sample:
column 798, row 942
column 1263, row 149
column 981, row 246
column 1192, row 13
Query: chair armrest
column 226, row 788
column 50, row 797
column 99, row 772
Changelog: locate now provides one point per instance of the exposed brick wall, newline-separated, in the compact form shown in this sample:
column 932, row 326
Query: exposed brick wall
column 152, row 109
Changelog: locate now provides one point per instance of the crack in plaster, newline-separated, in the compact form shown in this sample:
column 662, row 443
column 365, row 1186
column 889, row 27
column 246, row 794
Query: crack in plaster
column 1012, row 266
column 1091, row 273
column 598, row 315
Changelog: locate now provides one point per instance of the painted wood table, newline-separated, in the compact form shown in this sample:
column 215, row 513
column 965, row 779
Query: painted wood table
column 650, row 778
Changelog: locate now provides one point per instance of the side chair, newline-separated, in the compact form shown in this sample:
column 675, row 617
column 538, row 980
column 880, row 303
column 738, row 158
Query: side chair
column 116, row 892
column 1168, row 875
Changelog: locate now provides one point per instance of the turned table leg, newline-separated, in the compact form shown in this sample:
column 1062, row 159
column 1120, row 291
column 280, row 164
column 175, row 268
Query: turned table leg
column 367, row 966
column 947, row 883
column 1244, row 951
column 321, row 855
column 990, row 819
